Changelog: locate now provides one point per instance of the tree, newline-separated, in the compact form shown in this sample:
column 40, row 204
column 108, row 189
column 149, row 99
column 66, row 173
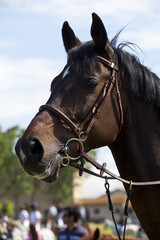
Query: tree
column 13, row 180
column 62, row 188
column 8, row 209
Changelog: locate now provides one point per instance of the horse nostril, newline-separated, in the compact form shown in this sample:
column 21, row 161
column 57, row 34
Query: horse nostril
column 35, row 149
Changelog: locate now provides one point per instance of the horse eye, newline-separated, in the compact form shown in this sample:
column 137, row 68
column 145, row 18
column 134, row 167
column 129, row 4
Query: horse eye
column 92, row 83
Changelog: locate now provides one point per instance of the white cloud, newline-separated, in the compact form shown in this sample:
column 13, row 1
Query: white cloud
column 147, row 39
column 81, row 8
column 25, row 84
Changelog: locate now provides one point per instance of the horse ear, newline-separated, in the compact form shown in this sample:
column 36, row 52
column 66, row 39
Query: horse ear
column 99, row 34
column 96, row 234
column 69, row 38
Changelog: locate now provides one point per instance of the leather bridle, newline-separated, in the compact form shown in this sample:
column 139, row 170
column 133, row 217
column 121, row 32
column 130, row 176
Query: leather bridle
column 82, row 130
column 88, row 121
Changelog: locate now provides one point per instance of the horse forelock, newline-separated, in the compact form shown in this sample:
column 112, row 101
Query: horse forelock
column 82, row 57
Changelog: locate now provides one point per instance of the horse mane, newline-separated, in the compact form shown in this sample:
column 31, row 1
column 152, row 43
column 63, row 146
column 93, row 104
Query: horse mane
column 140, row 80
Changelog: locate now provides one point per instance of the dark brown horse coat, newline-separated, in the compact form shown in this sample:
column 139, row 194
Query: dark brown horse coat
column 135, row 146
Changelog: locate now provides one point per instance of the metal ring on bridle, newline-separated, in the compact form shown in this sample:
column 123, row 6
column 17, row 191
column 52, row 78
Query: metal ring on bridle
column 81, row 148
column 67, row 157
column 65, row 163
column 81, row 138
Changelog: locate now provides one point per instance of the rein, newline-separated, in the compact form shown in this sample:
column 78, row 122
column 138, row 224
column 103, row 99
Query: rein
column 103, row 170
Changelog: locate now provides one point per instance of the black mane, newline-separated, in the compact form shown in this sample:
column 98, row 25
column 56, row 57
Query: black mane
column 140, row 80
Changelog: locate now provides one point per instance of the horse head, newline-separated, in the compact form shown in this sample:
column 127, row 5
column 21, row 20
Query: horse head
column 76, row 115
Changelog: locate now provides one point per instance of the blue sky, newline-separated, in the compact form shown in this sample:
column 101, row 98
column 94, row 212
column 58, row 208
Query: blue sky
column 32, row 52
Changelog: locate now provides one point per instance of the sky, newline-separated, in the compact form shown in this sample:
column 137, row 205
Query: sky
column 32, row 52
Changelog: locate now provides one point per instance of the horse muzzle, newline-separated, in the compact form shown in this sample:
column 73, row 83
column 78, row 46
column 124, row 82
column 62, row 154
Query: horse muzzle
column 35, row 161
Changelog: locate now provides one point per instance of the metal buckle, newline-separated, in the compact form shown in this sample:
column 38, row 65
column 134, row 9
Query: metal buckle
column 112, row 65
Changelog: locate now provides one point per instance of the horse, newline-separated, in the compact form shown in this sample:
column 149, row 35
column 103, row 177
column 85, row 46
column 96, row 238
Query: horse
column 104, row 96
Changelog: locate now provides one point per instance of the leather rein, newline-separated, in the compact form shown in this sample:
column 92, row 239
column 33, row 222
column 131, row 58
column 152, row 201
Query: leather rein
column 82, row 130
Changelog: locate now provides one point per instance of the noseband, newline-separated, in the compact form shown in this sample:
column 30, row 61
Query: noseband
column 81, row 131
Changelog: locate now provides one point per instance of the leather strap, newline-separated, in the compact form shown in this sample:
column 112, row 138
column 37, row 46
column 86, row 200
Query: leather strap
column 61, row 116
column 112, row 175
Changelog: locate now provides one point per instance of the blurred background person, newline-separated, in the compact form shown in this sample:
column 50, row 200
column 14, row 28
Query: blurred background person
column 3, row 228
column 74, row 230
column 24, row 217
column 33, row 234
column 35, row 216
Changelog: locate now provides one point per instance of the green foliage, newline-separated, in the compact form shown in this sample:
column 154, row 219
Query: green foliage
column 1, row 206
column 92, row 153
column 12, row 178
column 61, row 190
column 8, row 209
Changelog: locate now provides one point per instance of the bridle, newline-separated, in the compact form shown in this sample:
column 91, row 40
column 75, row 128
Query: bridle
column 82, row 130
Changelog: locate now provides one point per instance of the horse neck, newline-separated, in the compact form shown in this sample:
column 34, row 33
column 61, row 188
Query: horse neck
column 137, row 155
column 138, row 144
